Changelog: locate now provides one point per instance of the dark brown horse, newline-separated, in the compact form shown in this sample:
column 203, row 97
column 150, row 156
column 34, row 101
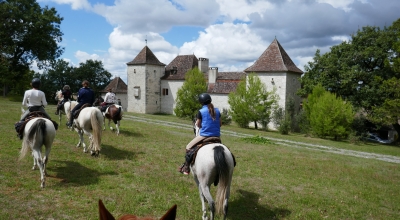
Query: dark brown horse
column 106, row 215
column 114, row 113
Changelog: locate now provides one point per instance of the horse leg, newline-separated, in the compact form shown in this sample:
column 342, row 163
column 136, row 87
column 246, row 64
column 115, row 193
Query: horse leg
column 109, row 125
column 81, row 142
column 34, row 162
column 38, row 157
column 202, row 198
column 117, row 127
column 104, row 122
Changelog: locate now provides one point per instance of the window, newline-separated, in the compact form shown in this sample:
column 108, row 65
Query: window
column 165, row 91
column 136, row 91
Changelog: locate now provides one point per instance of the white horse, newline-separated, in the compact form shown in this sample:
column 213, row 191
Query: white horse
column 214, row 163
column 38, row 132
column 68, row 106
column 89, row 123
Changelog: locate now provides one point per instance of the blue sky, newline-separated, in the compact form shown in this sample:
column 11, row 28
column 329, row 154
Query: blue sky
column 231, row 33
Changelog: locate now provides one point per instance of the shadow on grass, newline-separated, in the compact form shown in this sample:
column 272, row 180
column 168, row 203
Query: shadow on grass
column 248, row 207
column 74, row 174
column 129, row 133
column 113, row 153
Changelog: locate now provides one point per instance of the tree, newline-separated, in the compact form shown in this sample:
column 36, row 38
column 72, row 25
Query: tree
column 187, row 103
column 357, row 70
column 389, row 112
column 28, row 33
column 329, row 115
column 94, row 72
column 54, row 78
column 251, row 102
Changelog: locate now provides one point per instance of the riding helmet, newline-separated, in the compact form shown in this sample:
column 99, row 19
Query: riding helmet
column 66, row 87
column 205, row 98
column 35, row 83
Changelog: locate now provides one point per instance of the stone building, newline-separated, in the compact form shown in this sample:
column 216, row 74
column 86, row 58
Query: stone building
column 153, row 86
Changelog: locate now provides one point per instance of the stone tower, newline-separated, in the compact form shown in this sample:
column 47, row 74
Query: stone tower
column 144, row 74
column 276, row 70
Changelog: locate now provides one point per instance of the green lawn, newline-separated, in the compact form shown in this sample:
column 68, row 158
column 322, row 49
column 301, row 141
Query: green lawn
column 307, row 178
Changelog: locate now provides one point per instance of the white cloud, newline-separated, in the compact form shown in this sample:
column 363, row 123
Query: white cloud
column 75, row 4
column 226, row 44
column 232, row 10
column 157, row 15
column 83, row 56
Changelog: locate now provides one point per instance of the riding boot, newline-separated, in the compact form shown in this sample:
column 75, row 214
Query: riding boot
column 185, row 167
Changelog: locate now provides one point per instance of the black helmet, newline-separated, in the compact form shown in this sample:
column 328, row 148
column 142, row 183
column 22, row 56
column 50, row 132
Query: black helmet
column 35, row 83
column 205, row 98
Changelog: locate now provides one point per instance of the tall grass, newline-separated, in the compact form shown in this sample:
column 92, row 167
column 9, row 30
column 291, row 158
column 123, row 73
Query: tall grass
column 136, row 173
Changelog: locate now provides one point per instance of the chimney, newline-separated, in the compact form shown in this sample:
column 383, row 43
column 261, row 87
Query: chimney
column 212, row 74
column 203, row 65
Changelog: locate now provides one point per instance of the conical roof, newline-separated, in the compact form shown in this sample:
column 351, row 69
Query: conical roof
column 274, row 59
column 182, row 63
column 145, row 56
column 117, row 85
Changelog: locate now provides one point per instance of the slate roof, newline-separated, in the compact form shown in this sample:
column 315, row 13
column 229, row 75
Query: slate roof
column 146, row 56
column 183, row 64
column 274, row 59
column 117, row 85
column 226, row 82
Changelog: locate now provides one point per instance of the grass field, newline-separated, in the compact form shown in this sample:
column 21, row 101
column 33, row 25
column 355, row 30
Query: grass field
column 279, row 177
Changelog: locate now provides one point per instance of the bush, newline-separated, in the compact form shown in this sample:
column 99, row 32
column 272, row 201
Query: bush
column 225, row 118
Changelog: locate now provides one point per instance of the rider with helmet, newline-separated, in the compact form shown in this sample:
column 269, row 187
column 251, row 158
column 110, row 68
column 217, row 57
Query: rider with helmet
column 67, row 94
column 85, row 96
column 34, row 99
column 209, row 122
column 109, row 99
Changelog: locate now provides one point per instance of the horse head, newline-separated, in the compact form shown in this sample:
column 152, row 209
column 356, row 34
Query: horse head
column 106, row 215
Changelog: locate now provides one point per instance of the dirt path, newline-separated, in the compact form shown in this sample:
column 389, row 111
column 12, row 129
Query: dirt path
column 387, row 158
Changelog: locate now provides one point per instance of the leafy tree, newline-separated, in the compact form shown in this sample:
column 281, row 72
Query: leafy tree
column 94, row 72
column 251, row 102
column 389, row 112
column 225, row 118
column 331, row 116
column 28, row 33
column 187, row 103
column 357, row 71
column 54, row 78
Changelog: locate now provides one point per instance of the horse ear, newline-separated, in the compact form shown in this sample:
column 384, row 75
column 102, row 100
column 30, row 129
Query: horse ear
column 104, row 213
column 171, row 214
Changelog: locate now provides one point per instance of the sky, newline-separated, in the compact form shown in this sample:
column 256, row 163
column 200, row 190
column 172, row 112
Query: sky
column 232, row 34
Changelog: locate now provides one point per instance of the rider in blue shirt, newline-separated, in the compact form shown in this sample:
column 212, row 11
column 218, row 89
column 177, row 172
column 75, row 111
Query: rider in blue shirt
column 85, row 96
column 209, row 122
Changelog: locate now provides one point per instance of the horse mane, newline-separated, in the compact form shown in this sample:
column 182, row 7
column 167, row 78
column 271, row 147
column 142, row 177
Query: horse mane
column 106, row 215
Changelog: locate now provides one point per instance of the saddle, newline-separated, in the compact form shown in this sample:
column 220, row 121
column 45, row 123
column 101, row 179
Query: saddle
column 76, row 114
column 20, row 125
column 192, row 153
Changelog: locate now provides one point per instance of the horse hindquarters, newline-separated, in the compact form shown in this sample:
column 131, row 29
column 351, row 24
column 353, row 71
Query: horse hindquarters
column 38, row 132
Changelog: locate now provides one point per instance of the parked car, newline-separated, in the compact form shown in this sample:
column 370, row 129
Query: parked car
column 375, row 138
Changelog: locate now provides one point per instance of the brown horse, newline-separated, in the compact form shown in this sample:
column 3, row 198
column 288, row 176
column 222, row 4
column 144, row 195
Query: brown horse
column 114, row 113
column 106, row 215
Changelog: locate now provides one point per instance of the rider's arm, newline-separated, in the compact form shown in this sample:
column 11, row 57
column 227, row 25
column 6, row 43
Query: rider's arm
column 44, row 102
column 25, row 100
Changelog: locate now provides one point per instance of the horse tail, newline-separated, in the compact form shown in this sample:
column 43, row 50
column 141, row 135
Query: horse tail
column 223, row 173
column 37, row 131
column 96, row 117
